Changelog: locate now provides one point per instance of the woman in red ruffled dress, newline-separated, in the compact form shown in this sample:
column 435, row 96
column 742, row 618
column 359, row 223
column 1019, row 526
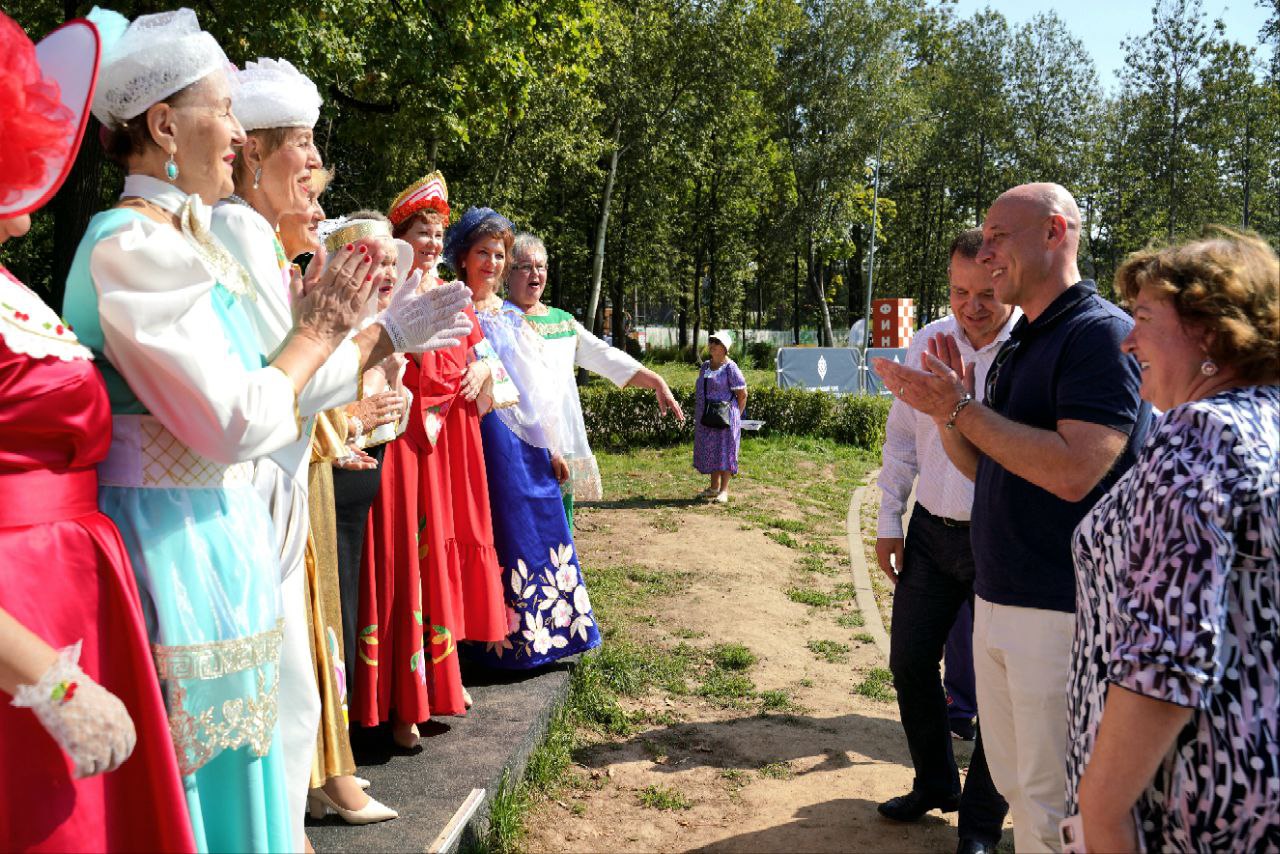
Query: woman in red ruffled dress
column 84, row 739
column 431, row 576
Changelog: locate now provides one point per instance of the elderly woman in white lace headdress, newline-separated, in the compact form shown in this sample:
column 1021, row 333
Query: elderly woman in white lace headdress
column 194, row 400
column 278, row 107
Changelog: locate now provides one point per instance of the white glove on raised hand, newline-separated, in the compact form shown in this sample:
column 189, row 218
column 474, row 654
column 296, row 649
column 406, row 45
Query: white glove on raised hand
column 418, row 322
column 88, row 721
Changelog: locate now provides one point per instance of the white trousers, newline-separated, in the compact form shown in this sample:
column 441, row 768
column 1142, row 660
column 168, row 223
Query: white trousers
column 299, row 698
column 1021, row 660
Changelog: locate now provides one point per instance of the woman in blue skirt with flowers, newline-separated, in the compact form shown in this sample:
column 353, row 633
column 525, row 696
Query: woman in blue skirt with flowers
column 548, row 609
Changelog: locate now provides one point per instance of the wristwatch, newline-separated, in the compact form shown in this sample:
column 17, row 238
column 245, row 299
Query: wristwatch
column 955, row 413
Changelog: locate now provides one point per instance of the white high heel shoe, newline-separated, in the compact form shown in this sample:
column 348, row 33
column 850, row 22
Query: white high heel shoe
column 320, row 804
column 361, row 782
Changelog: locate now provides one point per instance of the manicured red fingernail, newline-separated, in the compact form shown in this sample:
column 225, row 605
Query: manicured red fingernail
column 350, row 246
column 363, row 249
column 368, row 277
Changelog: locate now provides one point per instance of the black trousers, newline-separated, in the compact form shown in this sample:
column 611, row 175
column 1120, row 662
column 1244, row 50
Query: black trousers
column 353, row 495
column 935, row 581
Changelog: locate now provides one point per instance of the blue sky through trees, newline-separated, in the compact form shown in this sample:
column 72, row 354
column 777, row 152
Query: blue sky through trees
column 1103, row 24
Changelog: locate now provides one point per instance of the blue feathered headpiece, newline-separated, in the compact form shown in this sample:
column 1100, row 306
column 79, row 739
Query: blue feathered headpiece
column 459, row 239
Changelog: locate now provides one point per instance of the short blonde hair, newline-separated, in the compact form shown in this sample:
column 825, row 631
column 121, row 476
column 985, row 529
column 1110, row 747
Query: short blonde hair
column 320, row 180
column 1227, row 283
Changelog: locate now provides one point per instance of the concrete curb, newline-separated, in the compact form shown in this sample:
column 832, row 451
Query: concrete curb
column 437, row 790
column 863, row 590
column 476, row 830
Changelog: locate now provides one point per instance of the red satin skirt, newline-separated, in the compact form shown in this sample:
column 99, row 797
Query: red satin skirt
column 65, row 576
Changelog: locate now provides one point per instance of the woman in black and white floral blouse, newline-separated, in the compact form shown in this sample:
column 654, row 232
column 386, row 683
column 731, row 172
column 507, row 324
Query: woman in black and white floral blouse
column 1175, row 688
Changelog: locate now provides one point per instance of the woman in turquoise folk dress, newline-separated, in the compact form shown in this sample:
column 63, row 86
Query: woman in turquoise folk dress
column 193, row 402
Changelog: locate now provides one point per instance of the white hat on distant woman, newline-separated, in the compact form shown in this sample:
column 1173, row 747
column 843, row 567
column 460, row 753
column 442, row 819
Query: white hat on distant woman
column 723, row 336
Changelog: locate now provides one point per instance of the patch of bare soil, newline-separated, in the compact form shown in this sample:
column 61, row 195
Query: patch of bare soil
column 723, row 775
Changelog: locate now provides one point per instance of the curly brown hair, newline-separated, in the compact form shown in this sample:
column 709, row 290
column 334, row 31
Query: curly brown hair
column 1225, row 282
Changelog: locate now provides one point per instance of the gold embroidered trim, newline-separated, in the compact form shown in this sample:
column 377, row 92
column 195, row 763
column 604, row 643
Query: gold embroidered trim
column 550, row 330
column 198, row 738
column 166, row 461
column 216, row 659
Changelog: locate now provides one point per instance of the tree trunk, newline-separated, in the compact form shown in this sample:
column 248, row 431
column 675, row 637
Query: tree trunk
column 433, row 148
column 682, row 315
column 602, row 229
column 1172, row 162
column 618, row 293
column 556, row 271
column 819, row 292
column 697, row 299
column 982, row 172
column 1248, row 163
column 795, row 296
column 759, row 291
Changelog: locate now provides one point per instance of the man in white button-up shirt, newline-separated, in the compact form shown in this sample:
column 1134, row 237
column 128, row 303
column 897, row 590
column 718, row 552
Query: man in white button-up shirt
column 933, row 568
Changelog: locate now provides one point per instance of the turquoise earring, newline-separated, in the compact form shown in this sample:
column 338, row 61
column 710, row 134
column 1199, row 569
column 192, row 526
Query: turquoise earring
column 171, row 169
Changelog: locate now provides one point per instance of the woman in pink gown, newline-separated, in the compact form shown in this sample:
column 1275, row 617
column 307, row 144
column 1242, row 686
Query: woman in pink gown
column 77, row 683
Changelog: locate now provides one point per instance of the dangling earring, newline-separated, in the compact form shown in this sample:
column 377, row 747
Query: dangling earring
column 1208, row 367
column 257, row 176
column 171, row 168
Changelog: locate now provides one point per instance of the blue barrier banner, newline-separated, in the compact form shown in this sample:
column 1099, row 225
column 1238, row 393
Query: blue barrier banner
column 896, row 354
column 833, row 369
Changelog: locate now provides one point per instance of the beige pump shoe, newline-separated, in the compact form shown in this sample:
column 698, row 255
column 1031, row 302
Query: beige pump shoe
column 320, row 804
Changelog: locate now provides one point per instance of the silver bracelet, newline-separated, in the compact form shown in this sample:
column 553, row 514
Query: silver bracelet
column 955, row 413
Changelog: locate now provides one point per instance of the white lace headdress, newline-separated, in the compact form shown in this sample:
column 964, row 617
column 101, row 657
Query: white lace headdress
column 156, row 56
column 273, row 94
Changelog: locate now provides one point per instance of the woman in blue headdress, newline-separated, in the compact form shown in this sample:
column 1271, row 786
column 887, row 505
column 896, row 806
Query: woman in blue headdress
column 549, row 610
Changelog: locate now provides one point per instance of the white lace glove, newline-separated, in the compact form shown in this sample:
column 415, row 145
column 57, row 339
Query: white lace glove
column 418, row 322
column 88, row 721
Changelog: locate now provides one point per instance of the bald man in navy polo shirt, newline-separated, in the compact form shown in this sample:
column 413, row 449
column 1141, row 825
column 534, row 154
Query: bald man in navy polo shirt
column 1060, row 422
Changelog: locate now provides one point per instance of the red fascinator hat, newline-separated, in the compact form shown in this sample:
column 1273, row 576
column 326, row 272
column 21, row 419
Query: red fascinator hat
column 45, row 92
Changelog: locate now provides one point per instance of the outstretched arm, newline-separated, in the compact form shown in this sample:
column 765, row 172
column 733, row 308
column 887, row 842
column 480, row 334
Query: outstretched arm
column 645, row 378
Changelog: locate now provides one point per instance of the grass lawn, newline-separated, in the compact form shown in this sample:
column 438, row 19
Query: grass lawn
column 819, row 473
column 799, row 495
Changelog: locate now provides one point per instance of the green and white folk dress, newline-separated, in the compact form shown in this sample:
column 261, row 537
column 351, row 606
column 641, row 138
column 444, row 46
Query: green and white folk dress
column 571, row 346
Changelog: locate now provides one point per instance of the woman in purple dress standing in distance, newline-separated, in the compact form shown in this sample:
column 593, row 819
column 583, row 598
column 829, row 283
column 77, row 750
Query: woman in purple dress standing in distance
column 715, row 449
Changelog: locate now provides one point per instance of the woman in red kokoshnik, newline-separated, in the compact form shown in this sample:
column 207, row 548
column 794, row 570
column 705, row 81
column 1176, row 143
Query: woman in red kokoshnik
column 431, row 576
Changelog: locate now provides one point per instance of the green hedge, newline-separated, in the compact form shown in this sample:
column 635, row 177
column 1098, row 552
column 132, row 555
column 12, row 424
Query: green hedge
column 621, row 418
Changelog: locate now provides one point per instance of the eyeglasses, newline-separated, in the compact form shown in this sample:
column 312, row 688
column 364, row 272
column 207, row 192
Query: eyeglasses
column 530, row 268
column 993, row 375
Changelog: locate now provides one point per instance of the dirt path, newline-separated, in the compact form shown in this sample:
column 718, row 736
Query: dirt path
column 798, row 760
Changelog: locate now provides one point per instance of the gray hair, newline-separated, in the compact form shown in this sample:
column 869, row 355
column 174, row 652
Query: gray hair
column 526, row 244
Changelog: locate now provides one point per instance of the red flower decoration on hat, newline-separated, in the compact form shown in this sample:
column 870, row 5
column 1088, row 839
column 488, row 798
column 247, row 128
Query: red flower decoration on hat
column 36, row 129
